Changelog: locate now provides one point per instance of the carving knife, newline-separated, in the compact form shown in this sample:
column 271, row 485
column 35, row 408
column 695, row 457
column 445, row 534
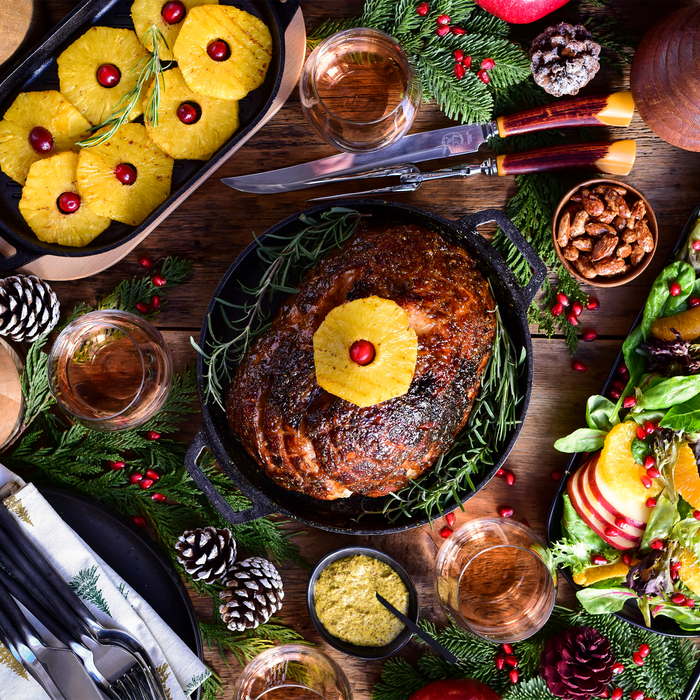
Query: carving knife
column 615, row 109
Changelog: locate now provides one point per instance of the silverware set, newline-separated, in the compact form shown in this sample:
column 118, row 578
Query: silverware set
column 95, row 662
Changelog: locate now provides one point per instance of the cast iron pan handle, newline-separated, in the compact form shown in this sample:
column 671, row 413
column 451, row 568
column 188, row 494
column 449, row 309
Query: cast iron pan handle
column 19, row 259
column 258, row 510
column 539, row 269
column 286, row 11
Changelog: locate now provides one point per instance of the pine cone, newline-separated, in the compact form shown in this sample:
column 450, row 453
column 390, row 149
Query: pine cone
column 253, row 594
column 206, row 554
column 28, row 308
column 577, row 664
column 564, row 59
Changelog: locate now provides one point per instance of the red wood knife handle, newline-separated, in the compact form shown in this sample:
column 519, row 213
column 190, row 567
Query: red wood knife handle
column 605, row 110
column 614, row 157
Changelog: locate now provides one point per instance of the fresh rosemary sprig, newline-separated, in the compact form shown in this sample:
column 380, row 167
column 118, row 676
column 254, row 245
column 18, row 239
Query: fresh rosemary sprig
column 316, row 238
column 148, row 67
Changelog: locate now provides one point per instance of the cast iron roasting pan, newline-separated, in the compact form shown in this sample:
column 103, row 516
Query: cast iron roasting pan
column 38, row 70
column 347, row 515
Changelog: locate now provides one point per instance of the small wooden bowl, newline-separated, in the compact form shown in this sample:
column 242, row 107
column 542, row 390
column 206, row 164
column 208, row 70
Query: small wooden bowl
column 618, row 280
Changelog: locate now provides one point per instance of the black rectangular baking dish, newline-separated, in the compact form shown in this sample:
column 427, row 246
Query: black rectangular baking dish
column 38, row 70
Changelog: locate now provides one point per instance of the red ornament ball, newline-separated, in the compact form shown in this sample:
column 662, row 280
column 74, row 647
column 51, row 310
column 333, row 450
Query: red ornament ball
column 457, row 689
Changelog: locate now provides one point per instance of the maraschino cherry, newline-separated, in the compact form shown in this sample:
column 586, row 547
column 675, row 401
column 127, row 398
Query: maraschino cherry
column 362, row 352
column 40, row 139
column 68, row 202
column 108, row 75
column 218, row 50
column 173, row 12
column 125, row 173
column 188, row 113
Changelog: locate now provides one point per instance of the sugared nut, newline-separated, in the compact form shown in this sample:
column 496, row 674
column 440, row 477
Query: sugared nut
column 610, row 266
column 578, row 224
column 585, row 267
column 592, row 204
column 619, row 223
column 644, row 237
column 637, row 254
column 583, row 243
column 604, row 248
column 598, row 229
column 623, row 250
column 638, row 211
column 570, row 252
column 602, row 189
column 607, row 216
column 629, row 235
column 563, row 230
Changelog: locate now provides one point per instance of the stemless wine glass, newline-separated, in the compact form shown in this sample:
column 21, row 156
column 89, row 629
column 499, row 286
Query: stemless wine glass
column 110, row 370
column 292, row 672
column 490, row 581
column 359, row 91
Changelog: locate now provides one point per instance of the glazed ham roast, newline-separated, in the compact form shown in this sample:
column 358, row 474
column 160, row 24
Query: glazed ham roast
column 310, row 441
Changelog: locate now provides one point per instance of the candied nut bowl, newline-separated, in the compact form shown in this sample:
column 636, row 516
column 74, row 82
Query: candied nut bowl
column 604, row 232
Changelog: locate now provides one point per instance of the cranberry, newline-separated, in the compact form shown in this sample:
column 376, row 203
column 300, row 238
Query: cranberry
column 189, row 112
column 218, row 50
column 173, row 12
column 125, row 173
column 362, row 352
column 40, row 139
column 68, row 202
column 108, row 75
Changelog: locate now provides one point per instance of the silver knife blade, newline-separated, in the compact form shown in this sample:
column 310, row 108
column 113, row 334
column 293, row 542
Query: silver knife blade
column 428, row 145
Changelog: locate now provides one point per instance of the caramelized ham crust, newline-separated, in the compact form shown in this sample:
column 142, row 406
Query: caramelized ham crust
column 310, row 441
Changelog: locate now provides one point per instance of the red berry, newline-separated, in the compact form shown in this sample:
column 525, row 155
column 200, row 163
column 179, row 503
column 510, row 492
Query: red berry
column 135, row 477
column 116, row 466
column 467, row 62
column 656, row 544
column 152, row 435
column 159, row 497
column 649, row 427
column 644, row 650
column 649, row 461
column 556, row 475
column 609, row 531
column 614, row 394
column 40, row 139
column 557, row 309
column 139, row 520
column 488, row 63
column 650, row 502
column 598, row 559
column 674, row 289
column 617, row 669
column 604, row 694
column 693, row 302
column 108, row 75
column 142, row 307
column 616, row 694
column 443, row 20
column 641, row 433
column 362, row 352
column 68, row 202
column 620, row 520
column 638, row 658
column 173, row 12
column 525, row 522
column 618, row 386
column 689, row 603
column 443, row 30
column 562, row 298
column 505, row 512
column 459, row 71
column 155, row 303
column 646, row 480
column 696, row 514
column 187, row 113
column 678, row 599
column 423, row 9
column 501, row 472
column 446, row 532
column 626, row 559
column 577, row 308
column 459, row 55
column 629, row 402
column 159, row 281
column 146, row 262
column 514, row 675
column 125, row 173
column 623, row 371
column 152, row 474
column 218, row 50
column 675, row 566
column 578, row 366
column 696, row 245
column 674, row 575
column 483, row 76
column 450, row 518
column 636, row 695
column 512, row 661
column 510, row 478
column 500, row 661
column 507, row 649
column 592, row 304
column 589, row 335
column 653, row 473
column 571, row 318
column 458, row 31
column 146, row 483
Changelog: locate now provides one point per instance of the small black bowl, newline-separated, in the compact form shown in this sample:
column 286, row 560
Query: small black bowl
column 363, row 652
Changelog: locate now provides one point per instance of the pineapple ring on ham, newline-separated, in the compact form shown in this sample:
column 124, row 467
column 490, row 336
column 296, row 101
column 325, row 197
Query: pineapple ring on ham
column 197, row 141
column 48, row 179
column 47, row 109
column 247, row 38
column 79, row 63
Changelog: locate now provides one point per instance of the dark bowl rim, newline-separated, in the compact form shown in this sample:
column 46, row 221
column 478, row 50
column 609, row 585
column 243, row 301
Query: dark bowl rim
column 363, row 652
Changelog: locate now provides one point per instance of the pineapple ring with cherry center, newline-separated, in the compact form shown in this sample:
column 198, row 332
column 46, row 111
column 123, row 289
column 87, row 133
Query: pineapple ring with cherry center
column 79, row 64
column 247, row 38
column 383, row 324
column 147, row 13
column 198, row 140
column 31, row 112
column 48, row 181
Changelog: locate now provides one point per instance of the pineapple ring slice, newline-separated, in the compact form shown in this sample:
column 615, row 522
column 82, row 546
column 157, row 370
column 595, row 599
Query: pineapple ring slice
column 249, row 43
column 147, row 13
column 79, row 63
column 196, row 141
column 48, row 179
column 106, row 195
column 384, row 324
column 48, row 109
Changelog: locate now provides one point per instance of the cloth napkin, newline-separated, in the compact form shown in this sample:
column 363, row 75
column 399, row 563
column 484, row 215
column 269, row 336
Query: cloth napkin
column 104, row 592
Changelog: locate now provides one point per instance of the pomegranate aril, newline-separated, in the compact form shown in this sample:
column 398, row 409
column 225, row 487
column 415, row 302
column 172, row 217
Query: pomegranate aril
column 108, row 75
column 620, row 521
column 626, row 559
column 146, row 262
column 139, row 520
column 143, row 308
column 450, row 518
column 459, row 71
column 598, row 559
column 458, row 31
column 556, row 475
column 146, row 483
column 488, row 63
column 592, row 304
column 40, row 139
column 650, row 503
column 674, row 289
column 696, row 514
column 135, row 477
column 444, row 30
column 116, row 466
column 514, row 675
column 636, row 695
column 618, row 385
column 609, row 531
column 125, row 173
column 578, row 366
column 459, row 55
column 501, row 472
column 467, row 62
column 151, row 474
column 644, row 650
column 675, row 566
column 696, row 245
column 158, row 497
column 571, row 318
column 562, row 298
column 616, row 694
column 617, row 669
column 623, row 371
column 152, row 435
column 173, row 12
column 614, row 394
column 653, row 473
column 68, row 202
column 505, row 512
column 589, row 335
column 443, row 20
column 155, row 303
column 693, row 302
column 689, row 603
column 512, row 661
column 484, row 77
column 510, row 478
column 577, row 308
column 187, row 113
column 638, row 658
column 678, row 599
column 629, row 402
column 159, row 281
column 649, row 427
column 507, row 649
column 423, row 9
column 641, row 433
column 218, row 50
column 646, row 481
column 674, row 575
column 557, row 309
column 446, row 532
column 362, row 352
column 604, row 694
column 500, row 661
column 656, row 544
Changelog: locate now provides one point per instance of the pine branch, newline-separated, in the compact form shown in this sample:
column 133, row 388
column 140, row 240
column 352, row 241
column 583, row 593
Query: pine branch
column 399, row 681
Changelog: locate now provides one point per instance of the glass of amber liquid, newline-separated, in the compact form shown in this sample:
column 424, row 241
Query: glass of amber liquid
column 491, row 581
column 110, row 370
column 359, row 91
column 292, row 672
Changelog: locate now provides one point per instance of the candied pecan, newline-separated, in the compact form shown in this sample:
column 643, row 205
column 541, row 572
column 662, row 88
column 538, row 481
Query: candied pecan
column 592, row 204
column 598, row 229
column 604, row 247
column 602, row 189
column 629, row 235
column 619, row 223
column 569, row 252
column 610, row 267
column 584, row 243
column 644, row 237
column 623, row 250
column 576, row 197
column 578, row 224
column 585, row 267
column 637, row 254
column 607, row 216
column 637, row 212
column 563, row 230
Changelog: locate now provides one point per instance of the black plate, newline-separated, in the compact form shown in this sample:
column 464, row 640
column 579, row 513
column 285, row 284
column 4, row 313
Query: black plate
column 135, row 557
column 39, row 71
column 630, row 612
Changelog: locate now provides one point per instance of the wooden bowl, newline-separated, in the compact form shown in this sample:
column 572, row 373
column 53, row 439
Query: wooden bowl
column 618, row 280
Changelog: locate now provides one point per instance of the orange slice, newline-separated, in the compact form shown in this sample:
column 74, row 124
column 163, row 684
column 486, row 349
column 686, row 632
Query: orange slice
column 687, row 323
column 690, row 571
column 686, row 478
column 618, row 470
column 600, row 573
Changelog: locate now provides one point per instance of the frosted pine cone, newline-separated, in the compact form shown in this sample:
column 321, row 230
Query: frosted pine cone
column 206, row 554
column 28, row 308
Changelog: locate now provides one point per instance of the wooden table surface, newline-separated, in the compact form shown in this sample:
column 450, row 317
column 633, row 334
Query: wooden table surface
column 215, row 224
